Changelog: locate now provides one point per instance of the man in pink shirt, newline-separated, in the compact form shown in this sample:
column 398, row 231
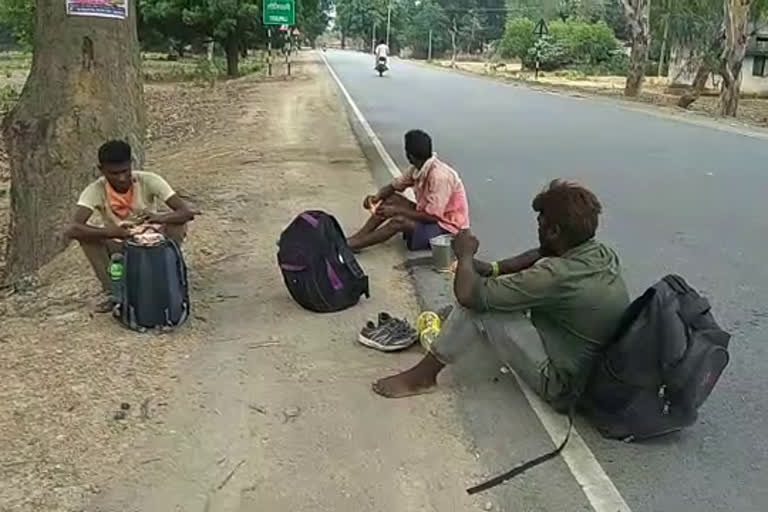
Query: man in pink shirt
column 440, row 208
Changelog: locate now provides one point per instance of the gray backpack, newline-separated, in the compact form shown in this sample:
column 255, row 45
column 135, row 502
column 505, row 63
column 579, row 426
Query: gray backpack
column 155, row 287
column 664, row 362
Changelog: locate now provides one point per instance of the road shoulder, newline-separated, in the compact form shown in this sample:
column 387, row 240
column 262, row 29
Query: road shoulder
column 275, row 410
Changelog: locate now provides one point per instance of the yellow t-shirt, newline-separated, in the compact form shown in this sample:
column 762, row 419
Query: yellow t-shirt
column 148, row 190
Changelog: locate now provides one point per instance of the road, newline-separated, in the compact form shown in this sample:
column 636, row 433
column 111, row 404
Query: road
column 679, row 196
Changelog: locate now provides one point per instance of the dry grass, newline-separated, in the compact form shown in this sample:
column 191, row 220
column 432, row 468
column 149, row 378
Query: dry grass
column 65, row 371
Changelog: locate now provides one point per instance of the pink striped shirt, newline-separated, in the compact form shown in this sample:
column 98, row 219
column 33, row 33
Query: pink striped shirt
column 439, row 192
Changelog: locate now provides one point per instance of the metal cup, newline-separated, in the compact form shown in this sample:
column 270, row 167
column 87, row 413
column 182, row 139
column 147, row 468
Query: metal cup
column 442, row 253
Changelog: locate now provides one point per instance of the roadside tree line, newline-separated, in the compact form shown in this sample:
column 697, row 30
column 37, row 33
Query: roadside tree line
column 173, row 26
column 588, row 35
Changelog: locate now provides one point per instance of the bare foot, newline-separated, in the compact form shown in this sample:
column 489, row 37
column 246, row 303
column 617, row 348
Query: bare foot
column 402, row 385
column 419, row 380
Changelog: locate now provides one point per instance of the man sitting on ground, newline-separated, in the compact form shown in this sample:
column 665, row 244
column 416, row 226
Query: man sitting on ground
column 571, row 285
column 440, row 208
column 123, row 199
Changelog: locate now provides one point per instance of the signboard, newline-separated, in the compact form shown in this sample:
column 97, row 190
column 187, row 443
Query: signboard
column 117, row 9
column 279, row 12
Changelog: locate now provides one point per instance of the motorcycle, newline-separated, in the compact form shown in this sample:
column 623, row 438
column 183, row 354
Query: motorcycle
column 381, row 66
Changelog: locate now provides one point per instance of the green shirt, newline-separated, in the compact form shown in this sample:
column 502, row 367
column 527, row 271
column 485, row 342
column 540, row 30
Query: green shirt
column 575, row 302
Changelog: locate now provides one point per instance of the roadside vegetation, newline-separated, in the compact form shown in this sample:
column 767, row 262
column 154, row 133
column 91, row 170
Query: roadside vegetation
column 576, row 39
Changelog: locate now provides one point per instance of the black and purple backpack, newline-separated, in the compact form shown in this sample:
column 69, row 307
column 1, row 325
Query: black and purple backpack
column 319, row 269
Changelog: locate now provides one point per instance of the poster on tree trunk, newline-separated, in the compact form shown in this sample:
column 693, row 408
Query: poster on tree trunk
column 116, row 9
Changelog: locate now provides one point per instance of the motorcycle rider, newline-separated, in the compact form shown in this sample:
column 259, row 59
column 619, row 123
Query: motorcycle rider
column 381, row 52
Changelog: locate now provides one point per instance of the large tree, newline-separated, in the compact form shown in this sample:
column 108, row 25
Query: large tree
column 162, row 25
column 638, row 16
column 312, row 18
column 698, row 28
column 231, row 23
column 737, row 34
column 84, row 88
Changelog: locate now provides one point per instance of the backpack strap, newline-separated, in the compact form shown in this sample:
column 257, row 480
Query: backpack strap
column 692, row 305
column 522, row 468
column 182, row 269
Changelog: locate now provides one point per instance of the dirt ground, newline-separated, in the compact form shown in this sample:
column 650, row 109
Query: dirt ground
column 255, row 404
column 752, row 111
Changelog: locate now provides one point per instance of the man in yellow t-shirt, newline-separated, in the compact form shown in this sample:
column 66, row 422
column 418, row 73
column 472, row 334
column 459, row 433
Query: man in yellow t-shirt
column 122, row 198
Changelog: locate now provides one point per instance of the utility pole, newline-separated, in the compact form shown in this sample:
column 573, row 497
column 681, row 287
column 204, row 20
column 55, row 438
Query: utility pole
column 389, row 19
column 429, row 47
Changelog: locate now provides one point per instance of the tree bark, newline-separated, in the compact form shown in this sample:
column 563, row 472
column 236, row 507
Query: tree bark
column 232, row 49
column 663, row 54
column 699, row 82
column 84, row 88
column 638, row 15
column 454, row 30
column 737, row 16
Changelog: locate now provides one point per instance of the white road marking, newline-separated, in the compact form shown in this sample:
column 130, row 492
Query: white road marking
column 390, row 164
column 598, row 488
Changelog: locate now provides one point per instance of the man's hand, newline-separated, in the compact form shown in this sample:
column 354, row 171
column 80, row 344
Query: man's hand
column 465, row 244
column 370, row 201
column 483, row 268
column 118, row 232
column 388, row 211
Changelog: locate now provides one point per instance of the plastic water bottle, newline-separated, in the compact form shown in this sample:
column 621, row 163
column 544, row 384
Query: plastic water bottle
column 116, row 275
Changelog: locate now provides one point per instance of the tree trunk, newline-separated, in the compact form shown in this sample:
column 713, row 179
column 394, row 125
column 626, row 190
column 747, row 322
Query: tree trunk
column 663, row 54
column 454, row 30
column 343, row 41
column 699, row 82
column 232, row 49
column 737, row 15
column 84, row 88
column 638, row 14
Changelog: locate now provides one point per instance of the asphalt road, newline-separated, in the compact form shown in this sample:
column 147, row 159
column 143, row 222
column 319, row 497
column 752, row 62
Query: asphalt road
column 678, row 197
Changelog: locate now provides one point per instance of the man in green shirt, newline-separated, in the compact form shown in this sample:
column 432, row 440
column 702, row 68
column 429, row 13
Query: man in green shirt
column 546, row 312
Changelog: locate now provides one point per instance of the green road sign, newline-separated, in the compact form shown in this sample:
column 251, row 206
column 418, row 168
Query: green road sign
column 279, row 12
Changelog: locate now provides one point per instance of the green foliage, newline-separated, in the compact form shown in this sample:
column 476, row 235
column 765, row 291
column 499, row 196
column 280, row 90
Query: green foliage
column 476, row 23
column 19, row 17
column 568, row 43
column 584, row 43
column 226, row 21
column 616, row 65
column 518, row 38
column 200, row 70
column 162, row 26
column 312, row 18
column 356, row 18
column 550, row 52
